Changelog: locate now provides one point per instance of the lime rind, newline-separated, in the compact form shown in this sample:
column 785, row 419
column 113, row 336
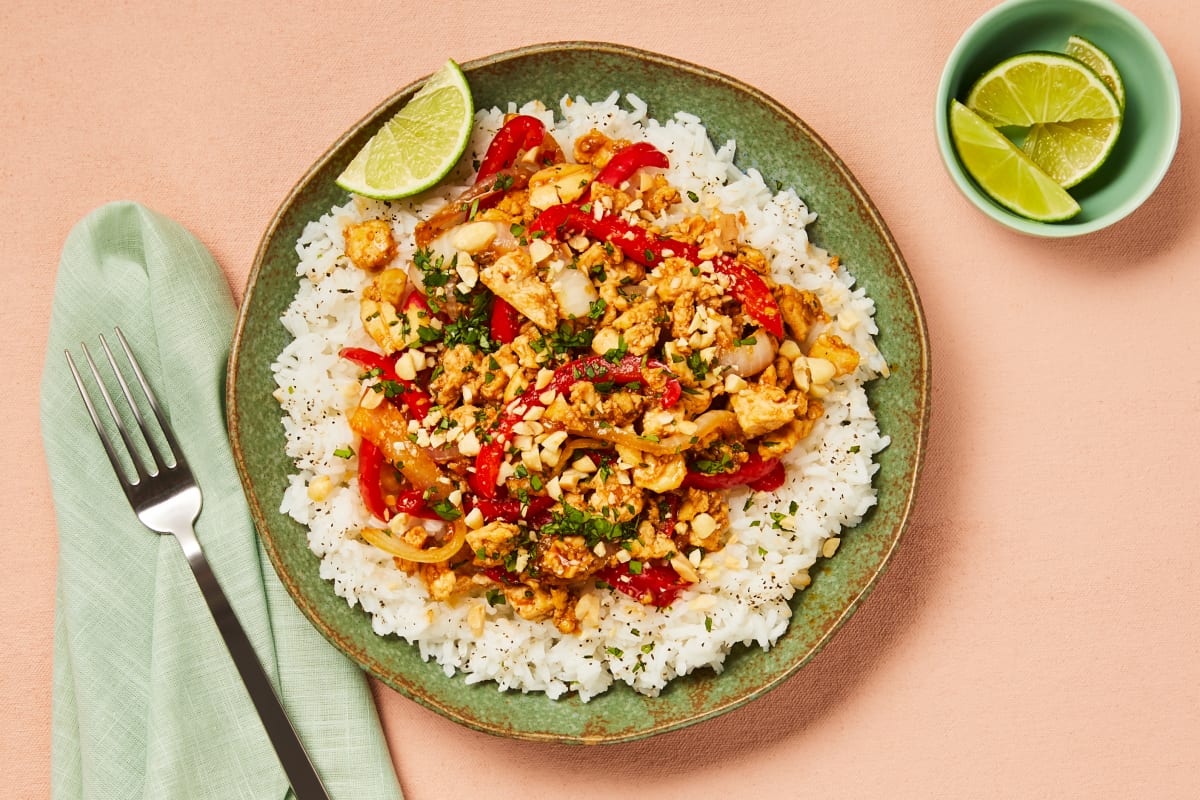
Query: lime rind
column 1099, row 61
column 1005, row 173
column 420, row 144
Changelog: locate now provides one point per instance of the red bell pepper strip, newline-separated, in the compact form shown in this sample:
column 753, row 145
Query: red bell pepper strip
column 412, row 502
column 656, row 583
column 590, row 368
column 415, row 300
column 753, row 293
column 649, row 250
column 416, row 401
column 371, row 464
column 772, row 480
column 499, row 575
column 506, row 321
column 519, row 133
column 635, row 241
column 487, row 467
column 672, row 393
column 513, row 510
column 598, row 369
column 755, row 471
column 370, row 468
column 629, row 160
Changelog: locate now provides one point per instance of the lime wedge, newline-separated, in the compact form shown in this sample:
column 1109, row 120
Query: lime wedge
column 1004, row 172
column 1071, row 151
column 1041, row 87
column 1087, row 52
column 420, row 144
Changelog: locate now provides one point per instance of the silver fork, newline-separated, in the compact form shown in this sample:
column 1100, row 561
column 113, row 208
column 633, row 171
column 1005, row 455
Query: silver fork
column 167, row 499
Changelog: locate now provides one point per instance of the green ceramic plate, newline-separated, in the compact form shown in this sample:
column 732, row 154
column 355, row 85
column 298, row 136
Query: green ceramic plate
column 783, row 148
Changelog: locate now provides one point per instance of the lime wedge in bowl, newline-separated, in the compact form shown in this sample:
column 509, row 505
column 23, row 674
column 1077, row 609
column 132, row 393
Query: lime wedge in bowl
column 1071, row 151
column 420, row 144
column 1087, row 52
column 1041, row 87
column 1004, row 172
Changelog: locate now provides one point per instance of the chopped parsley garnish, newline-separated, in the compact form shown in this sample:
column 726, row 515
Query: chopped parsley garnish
column 744, row 342
column 390, row 388
column 695, row 198
column 710, row 466
column 594, row 529
column 446, row 510
column 698, row 366
column 495, row 597
column 708, row 624
column 472, row 326
column 433, row 271
column 615, row 354
column 563, row 340
column 344, row 452
column 597, row 309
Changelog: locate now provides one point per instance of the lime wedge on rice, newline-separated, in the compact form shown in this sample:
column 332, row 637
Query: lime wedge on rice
column 420, row 144
column 1041, row 87
column 1087, row 52
column 1071, row 151
column 1004, row 172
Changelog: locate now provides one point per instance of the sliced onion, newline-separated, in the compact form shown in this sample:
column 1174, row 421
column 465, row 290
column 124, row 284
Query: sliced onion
column 387, row 428
column 713, row 422
column 456, row 211
column 444, row 454
column 574, row 292
column 396, row 546
column 566, row 455
column 414, row 463
column 751, row 359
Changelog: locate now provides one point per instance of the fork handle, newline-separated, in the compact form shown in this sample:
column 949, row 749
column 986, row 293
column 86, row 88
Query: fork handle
column 306, row 783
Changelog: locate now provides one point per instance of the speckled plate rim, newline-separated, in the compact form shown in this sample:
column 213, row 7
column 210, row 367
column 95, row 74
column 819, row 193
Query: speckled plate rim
column 920, row 415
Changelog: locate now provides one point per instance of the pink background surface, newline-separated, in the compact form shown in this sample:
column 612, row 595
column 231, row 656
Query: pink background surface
column 1036, row 635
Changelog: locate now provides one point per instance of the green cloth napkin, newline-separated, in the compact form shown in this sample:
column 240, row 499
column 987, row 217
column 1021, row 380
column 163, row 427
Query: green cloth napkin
column 147, row 702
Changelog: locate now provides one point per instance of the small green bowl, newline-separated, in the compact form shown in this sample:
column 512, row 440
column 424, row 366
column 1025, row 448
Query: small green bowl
column 1149, row 133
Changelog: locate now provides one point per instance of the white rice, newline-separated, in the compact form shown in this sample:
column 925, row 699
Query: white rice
column 745, row 588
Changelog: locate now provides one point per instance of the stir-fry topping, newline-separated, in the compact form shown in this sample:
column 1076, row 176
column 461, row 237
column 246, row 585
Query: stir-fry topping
column 565, row 388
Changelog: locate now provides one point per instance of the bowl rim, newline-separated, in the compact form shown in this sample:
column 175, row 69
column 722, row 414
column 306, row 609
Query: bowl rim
column 908, row 489
column 978, row 198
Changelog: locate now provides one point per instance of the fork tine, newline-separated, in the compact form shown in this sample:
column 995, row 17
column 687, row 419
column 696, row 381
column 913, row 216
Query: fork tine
column 168, row 434
column 159, row 462
column 104, row 440
column 130, row 448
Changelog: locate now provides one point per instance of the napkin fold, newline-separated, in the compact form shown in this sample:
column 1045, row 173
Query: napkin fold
column 147, row 702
